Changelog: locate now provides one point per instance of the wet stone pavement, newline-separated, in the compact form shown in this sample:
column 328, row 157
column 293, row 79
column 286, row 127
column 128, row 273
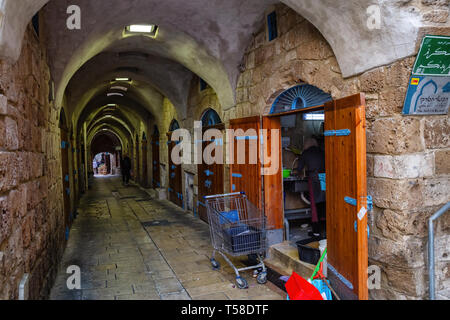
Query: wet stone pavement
column 131, row 247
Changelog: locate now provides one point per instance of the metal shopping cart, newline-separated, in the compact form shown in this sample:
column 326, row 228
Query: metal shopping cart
column 237, row 228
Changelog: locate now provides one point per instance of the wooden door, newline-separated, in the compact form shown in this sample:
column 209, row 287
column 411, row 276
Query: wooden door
column 175, row 182
column 210, row 177
column 345, row 153
column 137, row 168
column 155, row 162
column 144, row 180
column 246, row 177
column 273, row 179
column 65, row 145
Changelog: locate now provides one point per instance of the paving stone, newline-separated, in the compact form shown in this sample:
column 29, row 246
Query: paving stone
column 120, row 260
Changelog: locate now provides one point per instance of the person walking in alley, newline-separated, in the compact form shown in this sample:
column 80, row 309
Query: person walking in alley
column 313, row 159
column 125, row 165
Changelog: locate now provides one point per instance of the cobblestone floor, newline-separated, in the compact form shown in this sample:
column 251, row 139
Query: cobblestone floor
column 119, row 258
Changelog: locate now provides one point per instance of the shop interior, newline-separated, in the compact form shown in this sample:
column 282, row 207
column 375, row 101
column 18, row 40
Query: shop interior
column 298, row 130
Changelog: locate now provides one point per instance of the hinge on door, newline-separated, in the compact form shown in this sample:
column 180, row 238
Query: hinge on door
column 352, row 201
column 337, row 133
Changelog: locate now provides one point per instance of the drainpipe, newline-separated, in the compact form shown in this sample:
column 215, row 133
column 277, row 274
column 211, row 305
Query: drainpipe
column 431, row 248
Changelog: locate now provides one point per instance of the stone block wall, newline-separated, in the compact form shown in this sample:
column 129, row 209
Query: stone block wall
column 408, row 171
column 31, row 201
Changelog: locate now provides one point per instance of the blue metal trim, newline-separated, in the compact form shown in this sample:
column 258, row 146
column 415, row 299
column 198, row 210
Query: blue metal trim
column 209, row 173
column 353, row 202
column 236, row 175
column 208, row 184
column 233, row 187
column 350, row 201
column 329, row 133
column 343, row 132
column 63, row 144
column 246, row 138
column 201, row 203
column 66, row 178
column 340, row 276
column 173, row 167
column 170, row 189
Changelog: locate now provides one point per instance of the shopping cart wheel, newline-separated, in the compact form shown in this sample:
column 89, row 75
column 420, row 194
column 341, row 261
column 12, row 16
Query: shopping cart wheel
column 262, row 278
column 241, row 283
column 215, row 264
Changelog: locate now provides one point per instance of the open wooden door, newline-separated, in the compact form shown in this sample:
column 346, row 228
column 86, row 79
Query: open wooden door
column 346, row 194
column 144, row 180
column 273, row 178
column 246, row 176
column 155, row 162
column 175, row 182
column 210, row 177
column 65, row 145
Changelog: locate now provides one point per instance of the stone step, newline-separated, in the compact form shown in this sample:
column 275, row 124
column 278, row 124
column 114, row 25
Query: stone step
column 283, row 258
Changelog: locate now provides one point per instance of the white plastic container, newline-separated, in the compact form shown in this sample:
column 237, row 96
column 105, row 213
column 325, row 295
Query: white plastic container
column 322, row 247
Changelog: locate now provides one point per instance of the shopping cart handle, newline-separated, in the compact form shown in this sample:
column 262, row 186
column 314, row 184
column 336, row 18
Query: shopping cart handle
column 223, row 195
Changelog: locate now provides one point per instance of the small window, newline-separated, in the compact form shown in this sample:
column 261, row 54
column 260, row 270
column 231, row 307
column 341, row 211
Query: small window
column 203, row 84
column 272, row 25
column 174, row 125
column 210, row 118
column 35, row 23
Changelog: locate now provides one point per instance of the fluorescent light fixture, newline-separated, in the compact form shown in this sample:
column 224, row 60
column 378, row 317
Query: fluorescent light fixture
column 119, row 88
column 141, row 28
column 314, row 116
column 111, row 105
column 115, row 94
column 122, row 79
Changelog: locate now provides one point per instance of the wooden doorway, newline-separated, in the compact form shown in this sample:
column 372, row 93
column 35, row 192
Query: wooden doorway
column 210, row 176
column 155, row 159
column 144, row 180
column 175, row 180
column 346, row 184
column 65, row 145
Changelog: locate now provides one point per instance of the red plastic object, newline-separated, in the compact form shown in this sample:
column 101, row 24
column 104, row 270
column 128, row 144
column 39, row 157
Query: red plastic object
column 300, row 289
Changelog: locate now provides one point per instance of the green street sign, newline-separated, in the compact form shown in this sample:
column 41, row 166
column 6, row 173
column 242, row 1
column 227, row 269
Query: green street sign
column 434, row 57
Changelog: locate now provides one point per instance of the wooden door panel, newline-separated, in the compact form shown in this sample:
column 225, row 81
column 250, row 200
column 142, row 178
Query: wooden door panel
column 144, row 164
column 175, row 182
column 345, row 155
column 246, row 177
column 155, row 162
column 210, row 182
column 273, row 183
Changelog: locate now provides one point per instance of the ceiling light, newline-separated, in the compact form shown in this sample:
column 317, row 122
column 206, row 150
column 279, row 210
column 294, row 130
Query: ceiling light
column 119, row 88
column 141, row 28
column 111, row 105
column 123, row 79
column 115, row 94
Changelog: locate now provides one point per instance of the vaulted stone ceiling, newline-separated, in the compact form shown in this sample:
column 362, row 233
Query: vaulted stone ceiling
column 203, row 37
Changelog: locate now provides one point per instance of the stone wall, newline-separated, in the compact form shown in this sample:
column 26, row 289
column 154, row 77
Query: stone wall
column 31, row 201
column 408, row 171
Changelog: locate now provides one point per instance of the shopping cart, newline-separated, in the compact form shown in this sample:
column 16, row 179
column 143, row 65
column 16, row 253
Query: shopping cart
column 237, row 228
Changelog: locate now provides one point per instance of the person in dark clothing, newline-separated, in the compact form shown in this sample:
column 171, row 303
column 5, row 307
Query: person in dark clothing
column 125, row 166
column 313, row 159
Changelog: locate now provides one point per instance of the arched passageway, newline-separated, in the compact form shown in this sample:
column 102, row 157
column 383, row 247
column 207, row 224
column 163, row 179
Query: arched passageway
column 77, row 100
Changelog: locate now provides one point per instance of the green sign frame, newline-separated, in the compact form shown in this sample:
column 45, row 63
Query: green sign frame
column 433, row 58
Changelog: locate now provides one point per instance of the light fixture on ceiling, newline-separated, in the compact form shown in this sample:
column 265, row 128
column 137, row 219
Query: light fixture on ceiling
column 119, row 88
column 141, row 28
column 114, row 94
column 111, row 105
column 123, row 79
column 147, row 29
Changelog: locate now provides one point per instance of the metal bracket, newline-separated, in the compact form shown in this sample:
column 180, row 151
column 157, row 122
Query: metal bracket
column 236, row 175
column 208, row 173
column 352, row 201
column 337, row 133
column 208, row 184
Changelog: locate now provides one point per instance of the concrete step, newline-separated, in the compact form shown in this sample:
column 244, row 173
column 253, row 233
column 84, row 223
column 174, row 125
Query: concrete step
column 283, row 258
